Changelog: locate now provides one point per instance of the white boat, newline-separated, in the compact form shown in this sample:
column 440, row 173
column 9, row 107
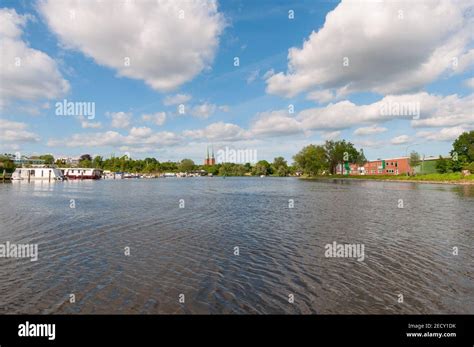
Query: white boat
column 130, row 175
column 109, row 175
column 37, row 173
column 82, row 173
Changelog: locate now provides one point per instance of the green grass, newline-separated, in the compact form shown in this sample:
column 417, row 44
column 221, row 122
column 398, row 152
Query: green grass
column 435, row 177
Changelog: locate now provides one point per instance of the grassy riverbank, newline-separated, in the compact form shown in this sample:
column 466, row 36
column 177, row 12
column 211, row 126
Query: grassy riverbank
column 451, row 178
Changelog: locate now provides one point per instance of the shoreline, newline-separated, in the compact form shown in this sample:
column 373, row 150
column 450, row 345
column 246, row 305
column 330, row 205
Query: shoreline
column 462, row 182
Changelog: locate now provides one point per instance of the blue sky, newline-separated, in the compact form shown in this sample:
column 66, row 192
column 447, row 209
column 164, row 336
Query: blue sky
column 398, row 53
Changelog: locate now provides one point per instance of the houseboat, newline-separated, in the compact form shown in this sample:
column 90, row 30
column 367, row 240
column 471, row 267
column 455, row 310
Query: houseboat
column 82, row 173
column 109, row 175
column 37, row 173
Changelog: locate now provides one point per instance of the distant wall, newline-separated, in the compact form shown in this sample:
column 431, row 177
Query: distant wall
column 429, row 167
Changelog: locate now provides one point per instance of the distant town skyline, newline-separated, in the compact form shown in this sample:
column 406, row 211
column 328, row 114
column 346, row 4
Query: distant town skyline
column 109, row 78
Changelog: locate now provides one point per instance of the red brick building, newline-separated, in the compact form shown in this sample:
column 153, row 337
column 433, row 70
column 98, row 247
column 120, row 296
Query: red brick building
column 393, row 166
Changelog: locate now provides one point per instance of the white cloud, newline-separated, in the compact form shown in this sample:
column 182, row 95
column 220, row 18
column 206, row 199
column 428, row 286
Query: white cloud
column 89, row 125
column 369, row 143
column 159, row 118
column 27, row 74
column 140, row 132
column 275, row 123
column 400, row 140
column 176, row 99
column 108, row 138
column 224, row 108
column 387, row 51
column 331, row 135
column 33, row 109
column 11, row 131
column 252, row 76
column 445, row 134
column 447, row 111
column 469, row 82
column 139, row 138
column 203, row 111
column 268, row 74
column 120, row 119
column 167, row 42
column 321, row 96
column 371, row 130
column 218, row 132
column 434, row 110
column 345, row 114
column 444, row 121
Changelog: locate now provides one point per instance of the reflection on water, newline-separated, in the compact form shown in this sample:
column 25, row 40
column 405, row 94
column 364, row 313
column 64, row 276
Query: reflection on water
column 465, row 190
column 191, row 250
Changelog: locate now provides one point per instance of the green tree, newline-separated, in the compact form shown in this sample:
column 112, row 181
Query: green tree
column 226, row 169
column 442, row 165
column 339, row 152
column 151, row 165
column 361, row 159
column 7, row 164
column 211, row 169
column 263, row 167
column 98, row 162
column 414, row 159
column 463, row 151
column 463, row 146
column 85, row 157
column 239, row 170
column 169, row 166
column 186, row 165
column 232, row 169
column 85, row 163
column 312, row 160
column 280, row 167
column 48, row 158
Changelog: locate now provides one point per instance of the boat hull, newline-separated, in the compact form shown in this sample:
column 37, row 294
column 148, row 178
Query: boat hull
column 85, row 177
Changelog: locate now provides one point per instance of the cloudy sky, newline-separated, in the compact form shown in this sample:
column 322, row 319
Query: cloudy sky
column 167, row 78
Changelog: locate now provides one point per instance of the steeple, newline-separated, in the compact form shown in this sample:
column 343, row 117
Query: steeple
column 207, row 161
column 210, row 160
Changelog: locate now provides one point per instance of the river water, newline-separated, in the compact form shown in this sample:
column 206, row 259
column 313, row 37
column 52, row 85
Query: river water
column 237, row 245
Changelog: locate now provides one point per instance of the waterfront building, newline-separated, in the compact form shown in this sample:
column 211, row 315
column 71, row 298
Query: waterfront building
column 20, row 160
column 68, row 161
column 391, row 166
column 427, row 164
column 209, row 161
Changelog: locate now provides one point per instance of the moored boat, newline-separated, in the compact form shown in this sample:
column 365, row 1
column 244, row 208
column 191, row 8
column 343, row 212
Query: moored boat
column 82, row 173
column 37, row 173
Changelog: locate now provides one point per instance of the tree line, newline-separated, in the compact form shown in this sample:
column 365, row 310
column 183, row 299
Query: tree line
column 279, row 166
column 311, row 160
